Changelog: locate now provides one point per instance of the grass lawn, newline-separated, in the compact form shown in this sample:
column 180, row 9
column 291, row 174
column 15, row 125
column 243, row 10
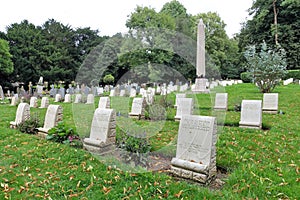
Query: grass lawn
column 261, row 164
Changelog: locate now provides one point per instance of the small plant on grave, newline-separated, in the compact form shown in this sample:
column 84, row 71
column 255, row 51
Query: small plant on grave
column 136, row 148
column 65, row 135
column 30, row 126
column 237, row 107
column 155, row 112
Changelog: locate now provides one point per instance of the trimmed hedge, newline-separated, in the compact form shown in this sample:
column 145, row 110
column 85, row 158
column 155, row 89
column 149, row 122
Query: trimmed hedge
column 246, row 77
column 292, row 74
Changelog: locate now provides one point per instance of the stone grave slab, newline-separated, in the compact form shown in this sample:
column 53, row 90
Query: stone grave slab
column 178, row 96
column 54, row 114
column 78, row 98
column 45, row 102
column 251, row 114
column 22, row 114
column 68, row 98
column 185, row 107
column 221, row 101
column 33, row 102
column 103, row 132
column 137, row 108
column 104, row 102
column 57, row 98
column 270, row 103
column 196, row 148
column 90, row 99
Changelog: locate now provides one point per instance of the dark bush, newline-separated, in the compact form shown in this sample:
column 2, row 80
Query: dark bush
column 246, row 77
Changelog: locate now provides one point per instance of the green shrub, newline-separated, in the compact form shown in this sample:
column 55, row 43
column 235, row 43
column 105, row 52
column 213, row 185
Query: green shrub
column 30, row 126
column 136, row 148
column 65, row 135
column 292, row 74
column 246, row 77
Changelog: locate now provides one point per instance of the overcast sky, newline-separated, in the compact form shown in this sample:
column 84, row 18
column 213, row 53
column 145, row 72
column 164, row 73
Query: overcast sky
column 109, row 16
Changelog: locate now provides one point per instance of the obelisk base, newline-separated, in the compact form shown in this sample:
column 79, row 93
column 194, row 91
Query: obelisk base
column 200, row 85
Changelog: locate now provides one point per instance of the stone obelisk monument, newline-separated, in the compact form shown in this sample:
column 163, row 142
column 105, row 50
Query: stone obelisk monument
column 200, row 82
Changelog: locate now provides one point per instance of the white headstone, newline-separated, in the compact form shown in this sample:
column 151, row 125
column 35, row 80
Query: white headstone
column 184, row 107
column 196, row 148
column 103, row 133
column 104, row 102
column 178, row 96
column 270, row 103
column 122, row 93
column 53, row 116
column 22, row 114
column 78, row 98
column 57, row 98
column 132, row 92
column 14, row 101
column 221, row 101
column 33, row 102
column 45, row 102
column 1, row 93
column 251, row 114
column 288, row 81
column 68, row 98
column 112, row 93
column 137, row 108
column 90, row 99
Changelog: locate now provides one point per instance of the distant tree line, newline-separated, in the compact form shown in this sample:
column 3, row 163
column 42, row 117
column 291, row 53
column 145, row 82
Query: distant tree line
column 56, row 51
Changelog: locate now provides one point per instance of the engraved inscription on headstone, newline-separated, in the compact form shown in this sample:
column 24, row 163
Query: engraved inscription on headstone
column 221, row 101
column 270, row 103
column 251, row 114
column 196, row 148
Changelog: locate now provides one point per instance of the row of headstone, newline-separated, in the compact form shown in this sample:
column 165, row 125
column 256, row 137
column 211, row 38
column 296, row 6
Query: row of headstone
column 53, row 116
column 288, row 81
column 251, row 110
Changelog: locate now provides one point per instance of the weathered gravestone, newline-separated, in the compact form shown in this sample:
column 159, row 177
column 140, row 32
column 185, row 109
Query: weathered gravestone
column 178, row 96
column 133, row 92
column 1, row 94
column 104, row 102
column 103, row 132
column 122, row 93
column 45, row 102
column 14, row 100
column 54, row 114
column 221, row 101
column 67, row 98
column 78, row 98
column 57, row 98
column 184, row 107
column 33, row 102
column 196, row 148
column 90, row 99
column 251, row 114
column 112, row 93
column 22, row 114
column 138, row 108
column 270, row 103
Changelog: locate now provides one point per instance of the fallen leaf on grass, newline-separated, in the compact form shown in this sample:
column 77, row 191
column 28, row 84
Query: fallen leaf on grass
column 106, row 190
column 178, row 194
